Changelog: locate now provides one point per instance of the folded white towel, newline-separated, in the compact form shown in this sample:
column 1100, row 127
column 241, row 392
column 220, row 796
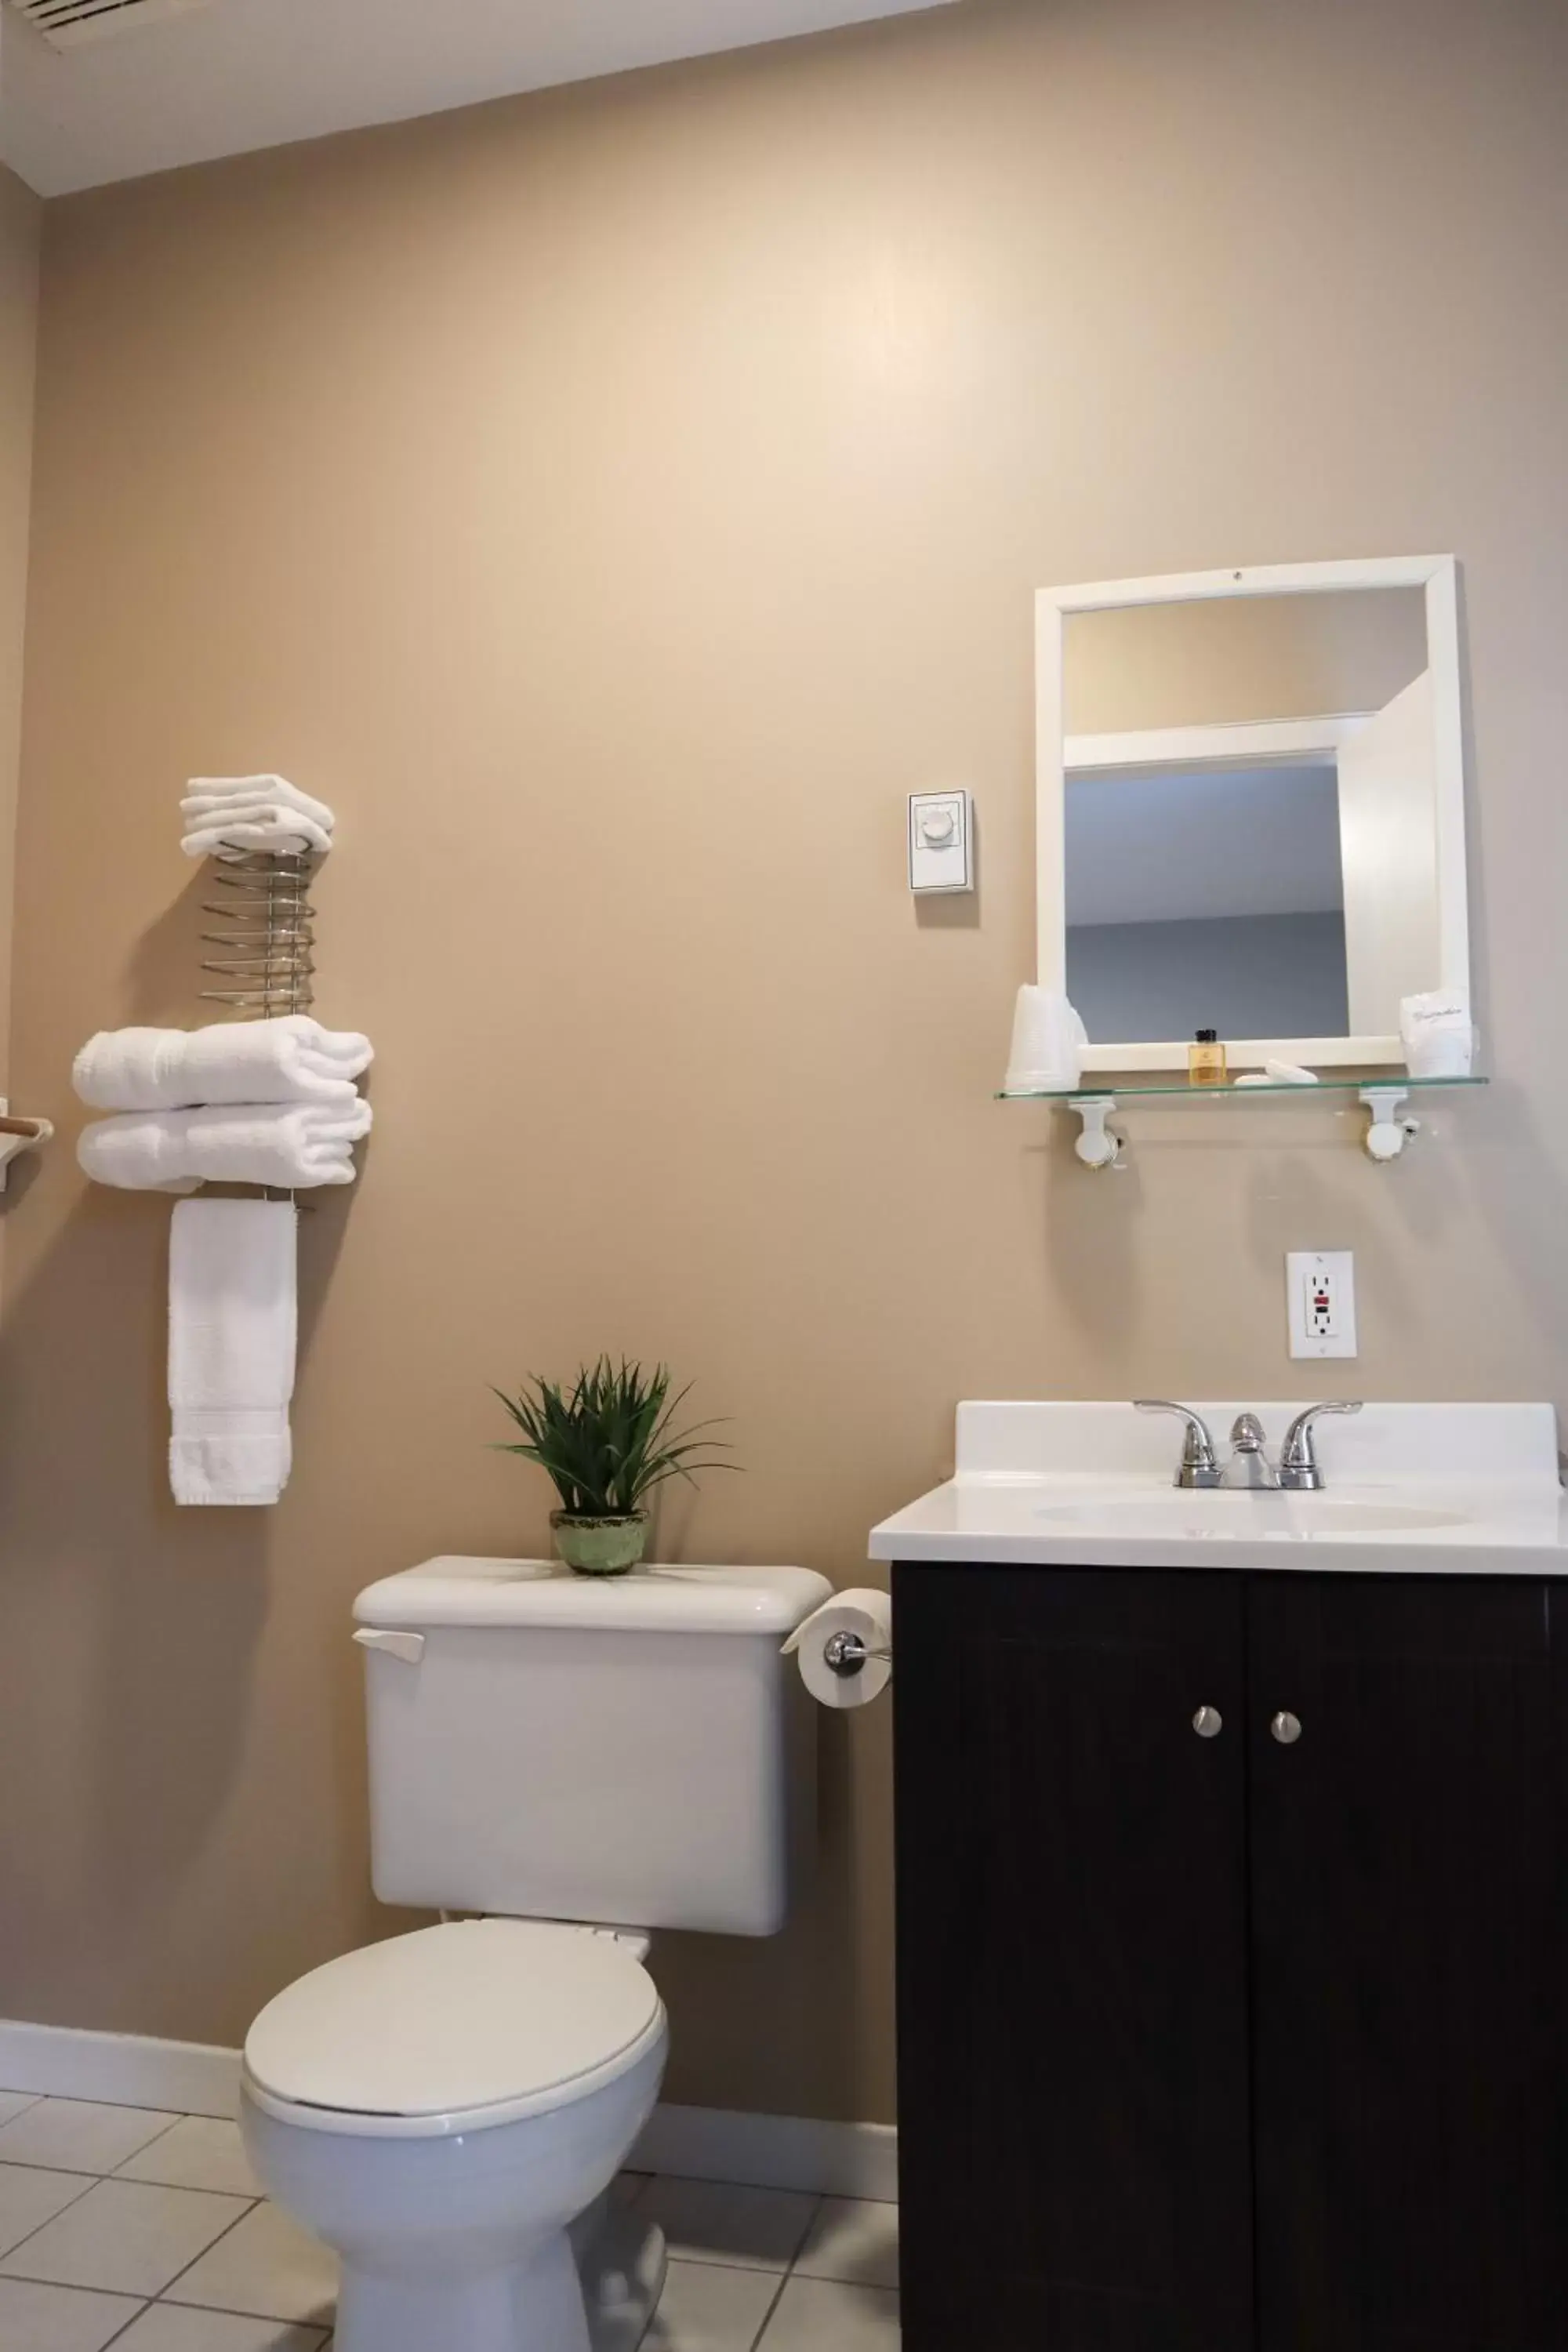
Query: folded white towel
column 291, row 1145
column 232, row 1337
column 233, row 795
column 290, row 1059
column 279, row 832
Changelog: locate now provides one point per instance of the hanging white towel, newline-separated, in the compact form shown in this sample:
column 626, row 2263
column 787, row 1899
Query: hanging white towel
column 290, row 1144
column 233, row 1318
column 290, row 1059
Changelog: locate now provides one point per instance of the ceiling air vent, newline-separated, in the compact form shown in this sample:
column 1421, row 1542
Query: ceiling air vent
column 68, row 23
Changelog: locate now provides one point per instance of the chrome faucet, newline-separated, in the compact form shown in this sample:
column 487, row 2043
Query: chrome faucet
column 1299, row 1469
column 1198, row 1467
column 1248, row 1467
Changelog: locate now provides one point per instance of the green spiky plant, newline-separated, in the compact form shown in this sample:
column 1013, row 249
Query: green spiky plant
column 608, row 1442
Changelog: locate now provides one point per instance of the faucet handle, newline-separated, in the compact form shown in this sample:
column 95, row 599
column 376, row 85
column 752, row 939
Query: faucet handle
column 1199, row 1465
column 1298, row 1469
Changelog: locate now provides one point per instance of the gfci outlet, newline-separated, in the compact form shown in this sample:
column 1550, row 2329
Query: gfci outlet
column 1320, row 1298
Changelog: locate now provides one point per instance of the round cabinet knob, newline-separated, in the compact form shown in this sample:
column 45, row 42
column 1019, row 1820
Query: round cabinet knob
column 1286, row 1727
column 1208, row 1723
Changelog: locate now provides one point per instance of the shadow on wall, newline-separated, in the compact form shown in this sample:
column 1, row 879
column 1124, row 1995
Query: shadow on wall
column 1096, row 1273
column 727, row 1994
column 1294, row 1171
column 134, row 1625
column 159, row 977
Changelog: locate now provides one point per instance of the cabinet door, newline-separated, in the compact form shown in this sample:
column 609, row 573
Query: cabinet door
column 1073, row 2102
column 1410, row 1967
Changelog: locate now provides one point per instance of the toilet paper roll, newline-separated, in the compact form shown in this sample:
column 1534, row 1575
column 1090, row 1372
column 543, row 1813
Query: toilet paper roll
column 866, row 1617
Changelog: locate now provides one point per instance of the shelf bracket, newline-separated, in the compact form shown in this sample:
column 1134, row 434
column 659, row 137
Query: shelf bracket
column 1387, row 1133
column 1096, row 1147
column 19, row 1135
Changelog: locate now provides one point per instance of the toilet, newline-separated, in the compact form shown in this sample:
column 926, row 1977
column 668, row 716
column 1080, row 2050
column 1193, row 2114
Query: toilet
column 561, row 1756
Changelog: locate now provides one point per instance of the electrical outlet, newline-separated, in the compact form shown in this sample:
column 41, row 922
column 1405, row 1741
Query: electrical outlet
column 1320, row 1291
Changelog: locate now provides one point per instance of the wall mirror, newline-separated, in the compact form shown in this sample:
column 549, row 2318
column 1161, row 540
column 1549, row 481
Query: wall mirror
column 1251, row 809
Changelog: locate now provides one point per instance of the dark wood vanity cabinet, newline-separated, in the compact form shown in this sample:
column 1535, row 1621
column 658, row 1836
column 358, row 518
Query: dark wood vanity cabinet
column 1214, row 2038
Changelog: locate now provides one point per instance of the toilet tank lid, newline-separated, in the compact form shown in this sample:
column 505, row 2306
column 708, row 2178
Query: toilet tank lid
column 456, row 1592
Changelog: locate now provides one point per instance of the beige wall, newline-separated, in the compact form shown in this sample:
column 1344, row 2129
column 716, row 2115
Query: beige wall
column 617, row 503
column 21, row 218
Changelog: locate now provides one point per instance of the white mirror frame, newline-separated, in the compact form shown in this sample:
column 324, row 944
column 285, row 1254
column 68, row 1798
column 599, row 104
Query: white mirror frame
column 1437, row 575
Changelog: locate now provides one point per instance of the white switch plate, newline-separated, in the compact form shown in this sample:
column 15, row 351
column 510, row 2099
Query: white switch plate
column 1319, row 1292
column 942, row 841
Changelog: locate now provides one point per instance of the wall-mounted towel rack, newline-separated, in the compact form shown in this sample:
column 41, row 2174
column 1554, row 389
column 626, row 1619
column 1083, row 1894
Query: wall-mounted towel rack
column 269, row 930
column 19, row 1135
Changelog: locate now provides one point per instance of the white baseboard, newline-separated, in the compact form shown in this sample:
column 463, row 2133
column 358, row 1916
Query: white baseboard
column 828, row 2159
column 121, row 2070
column 191, row 2078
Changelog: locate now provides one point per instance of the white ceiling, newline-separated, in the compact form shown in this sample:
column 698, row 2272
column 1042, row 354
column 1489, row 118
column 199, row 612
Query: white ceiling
column 234, row 75
column 1186, row 844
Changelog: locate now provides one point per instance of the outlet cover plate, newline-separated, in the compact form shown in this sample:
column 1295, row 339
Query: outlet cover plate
column 1320, row 1291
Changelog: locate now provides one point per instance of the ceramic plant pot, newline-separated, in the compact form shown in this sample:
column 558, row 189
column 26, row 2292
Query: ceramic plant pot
column 600, row 1547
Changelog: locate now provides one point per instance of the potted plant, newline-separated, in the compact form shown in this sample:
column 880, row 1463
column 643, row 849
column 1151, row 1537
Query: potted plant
column 606, row 1445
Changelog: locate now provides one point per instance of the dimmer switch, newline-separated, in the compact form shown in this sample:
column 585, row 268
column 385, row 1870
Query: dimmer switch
column 942, row 841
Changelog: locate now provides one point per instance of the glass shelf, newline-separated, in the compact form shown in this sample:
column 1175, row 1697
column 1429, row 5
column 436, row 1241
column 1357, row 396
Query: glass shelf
column 1380, row 1093
column 1113, row 1089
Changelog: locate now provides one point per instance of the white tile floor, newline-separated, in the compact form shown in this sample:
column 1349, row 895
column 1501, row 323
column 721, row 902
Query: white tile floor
column 148, row 2231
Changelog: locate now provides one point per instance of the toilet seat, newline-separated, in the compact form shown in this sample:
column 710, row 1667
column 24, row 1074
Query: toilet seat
column 452, row 2029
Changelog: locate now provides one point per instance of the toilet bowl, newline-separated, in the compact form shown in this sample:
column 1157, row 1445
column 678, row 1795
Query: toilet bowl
column 447, row 2110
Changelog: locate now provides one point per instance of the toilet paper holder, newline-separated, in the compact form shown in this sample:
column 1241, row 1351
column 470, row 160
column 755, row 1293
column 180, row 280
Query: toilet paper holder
column 845, row 1654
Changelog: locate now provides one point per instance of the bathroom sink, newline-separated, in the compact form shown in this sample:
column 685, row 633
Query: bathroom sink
column 1246, row 1517
column 1411, row 1489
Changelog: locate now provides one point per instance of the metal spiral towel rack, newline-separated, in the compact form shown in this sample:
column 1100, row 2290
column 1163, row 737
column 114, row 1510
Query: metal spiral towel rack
column 268, row 930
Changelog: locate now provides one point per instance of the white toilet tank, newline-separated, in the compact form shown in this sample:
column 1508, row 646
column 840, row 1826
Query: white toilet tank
column 631, row 1750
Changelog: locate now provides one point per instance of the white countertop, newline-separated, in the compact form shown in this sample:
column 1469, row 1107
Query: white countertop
column 1412, row 1489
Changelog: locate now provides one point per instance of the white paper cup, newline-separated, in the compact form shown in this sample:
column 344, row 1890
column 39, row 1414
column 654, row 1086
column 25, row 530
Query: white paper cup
column 1048, row 1041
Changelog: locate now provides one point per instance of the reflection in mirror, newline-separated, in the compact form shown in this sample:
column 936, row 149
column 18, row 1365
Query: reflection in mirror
column 1206, row 898
column 1251, row 816
column 1231, row 660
